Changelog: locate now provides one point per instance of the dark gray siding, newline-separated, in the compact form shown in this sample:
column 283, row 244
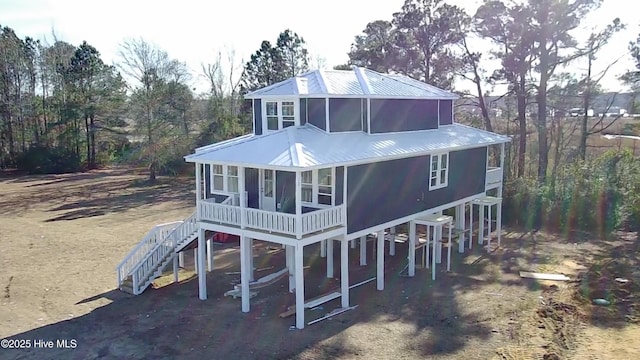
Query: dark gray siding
column 286, row 192
column 252, row 187
column 257, row 114
column 207, row 180
column 365, row 110
column 317, row 113
column 389, row 190
column 446, row 112
column 390, row 115
column 339, row 181
column 345, row 114
column 303, row 111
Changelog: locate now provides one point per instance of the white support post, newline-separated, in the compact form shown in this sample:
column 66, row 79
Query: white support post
column 344, row 273
column 481, row 225
column 181, row 259
column 209, row 255
column 329, row 258
column 438, row 232
column 471, row 225
column 450, row 245
column 489, row 223
column 242, row 197
column 499, row 221
column 429, row 240
column 299, row 276
column 198, row 186
column 353, row 243
column 251, row 259
column 380, row 253
column 195, row 260
column 363, row 250
column 244, row 272
column 412, row 248
column 175, row 269
column 298, row 196
column 290, row 265
column 392, row 241
column 202, row 274
column 323, row 248
column 433, row 254
column 460, row 227
column 502, row 156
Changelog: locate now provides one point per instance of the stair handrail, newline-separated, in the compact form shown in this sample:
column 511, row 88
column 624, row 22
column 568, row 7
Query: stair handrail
column 126, row 266
column 169, row 243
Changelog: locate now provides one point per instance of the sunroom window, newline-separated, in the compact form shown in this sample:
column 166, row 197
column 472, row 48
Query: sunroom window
column 325, row 187
column 272, row 115
column 217, row 177
column 439, row 172
column 307, row 186
column 232, row 179
column 288, row 114
column 280, row 114
column 224, row 178
column 318, row 187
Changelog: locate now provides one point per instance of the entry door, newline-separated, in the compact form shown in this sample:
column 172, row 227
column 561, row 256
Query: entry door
column 268, row 190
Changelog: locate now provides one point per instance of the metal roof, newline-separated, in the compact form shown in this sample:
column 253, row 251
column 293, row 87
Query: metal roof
column 309, row 147
column 355, row 82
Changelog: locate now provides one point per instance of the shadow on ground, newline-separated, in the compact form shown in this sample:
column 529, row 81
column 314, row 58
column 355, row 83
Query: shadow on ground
column 453, row 316
column 94, row 193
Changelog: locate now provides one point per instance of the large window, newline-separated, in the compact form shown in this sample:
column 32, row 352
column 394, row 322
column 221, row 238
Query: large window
column 318, row 187
column 217, row 178
column 439, row 174
column 224, row 178
column 280, row 114
column 307, row 186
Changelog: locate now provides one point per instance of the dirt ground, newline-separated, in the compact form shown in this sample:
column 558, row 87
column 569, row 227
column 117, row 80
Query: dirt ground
column 61, row 237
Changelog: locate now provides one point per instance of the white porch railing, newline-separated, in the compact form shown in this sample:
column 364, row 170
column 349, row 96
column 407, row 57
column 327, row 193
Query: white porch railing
column 271, row 221
column 220, row 213
column 494, row 176
column 323, row 219
column 153, row 237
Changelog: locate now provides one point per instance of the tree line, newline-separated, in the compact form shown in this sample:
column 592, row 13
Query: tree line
column 63, row 109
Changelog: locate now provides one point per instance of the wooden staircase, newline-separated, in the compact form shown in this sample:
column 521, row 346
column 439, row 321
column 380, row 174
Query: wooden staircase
column 151, row 256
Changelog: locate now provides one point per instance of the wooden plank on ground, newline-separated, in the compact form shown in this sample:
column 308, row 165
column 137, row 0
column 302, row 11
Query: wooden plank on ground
column 543, row 276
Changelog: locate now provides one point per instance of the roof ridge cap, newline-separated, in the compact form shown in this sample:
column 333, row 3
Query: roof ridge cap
column 322, row 81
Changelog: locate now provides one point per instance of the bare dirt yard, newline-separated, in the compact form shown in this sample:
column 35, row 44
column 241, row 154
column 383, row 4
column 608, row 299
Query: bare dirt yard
column 61, row 237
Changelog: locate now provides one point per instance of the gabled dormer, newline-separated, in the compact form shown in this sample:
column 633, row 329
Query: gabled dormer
column 359, row 100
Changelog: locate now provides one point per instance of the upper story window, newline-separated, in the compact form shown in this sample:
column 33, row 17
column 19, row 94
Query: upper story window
column 439, row 174
column 224, row 178
column 318, row 187
column 280, row 114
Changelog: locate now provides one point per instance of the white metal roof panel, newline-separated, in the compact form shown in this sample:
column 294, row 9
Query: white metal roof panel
column 307, row 146
column 355, row 82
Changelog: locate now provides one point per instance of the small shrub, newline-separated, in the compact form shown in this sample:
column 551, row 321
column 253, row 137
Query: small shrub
column 600, row 195
column 49, row 160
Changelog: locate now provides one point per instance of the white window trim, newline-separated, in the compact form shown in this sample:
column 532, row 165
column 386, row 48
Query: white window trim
column 315, row 190
column 279, row 101
column 438, row 184
column 225, row 179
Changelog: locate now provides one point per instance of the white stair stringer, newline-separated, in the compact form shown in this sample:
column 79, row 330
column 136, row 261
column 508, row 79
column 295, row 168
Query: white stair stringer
column 150, row 257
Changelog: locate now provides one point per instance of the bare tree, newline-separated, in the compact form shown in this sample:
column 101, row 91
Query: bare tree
column 152, row 71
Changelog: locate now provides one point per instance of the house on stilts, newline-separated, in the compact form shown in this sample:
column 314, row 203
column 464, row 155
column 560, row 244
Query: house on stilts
column 335, row 155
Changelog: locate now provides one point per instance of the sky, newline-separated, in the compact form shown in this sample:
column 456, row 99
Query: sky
column 195, row 31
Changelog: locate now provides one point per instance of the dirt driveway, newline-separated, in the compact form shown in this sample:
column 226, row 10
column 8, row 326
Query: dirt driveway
column 62, row 236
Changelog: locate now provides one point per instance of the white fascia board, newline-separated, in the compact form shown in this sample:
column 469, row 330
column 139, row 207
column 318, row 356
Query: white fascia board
column 355, row 96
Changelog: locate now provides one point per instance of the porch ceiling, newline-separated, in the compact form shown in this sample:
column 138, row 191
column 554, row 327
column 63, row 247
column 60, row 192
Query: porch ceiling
column 308, row 147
